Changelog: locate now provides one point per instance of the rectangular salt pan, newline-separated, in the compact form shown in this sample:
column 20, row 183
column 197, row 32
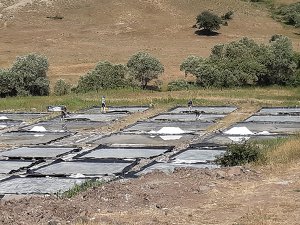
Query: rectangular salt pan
column 124, row 153
column 37, row 152
column 129, row 109
column 134, row 140
column 85, row 168
column 8, row 165
column 197, row 156
column 188, row 117
column 274, row 119
column 67, row 125
column 145, row 127
column 206, row 109
column 37, row 185
column 30, row 138
column 23, row 116
column 105, row 117
column 279, row 111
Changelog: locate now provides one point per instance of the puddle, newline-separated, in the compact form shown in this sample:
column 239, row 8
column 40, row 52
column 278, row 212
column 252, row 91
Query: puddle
column 124, row 153
column 37, row 185
column 38, row 152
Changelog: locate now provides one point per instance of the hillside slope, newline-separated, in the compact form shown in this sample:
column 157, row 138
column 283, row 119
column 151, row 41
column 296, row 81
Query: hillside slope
column 94, row 30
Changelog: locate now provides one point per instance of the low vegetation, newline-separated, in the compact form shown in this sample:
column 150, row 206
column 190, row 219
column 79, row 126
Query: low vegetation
column 78, row 188
column 27, row 76
column 289, row 14
column 246, row 63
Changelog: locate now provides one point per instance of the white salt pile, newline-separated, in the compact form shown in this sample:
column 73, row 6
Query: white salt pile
column 239, row 131
column 263, row 133
column 3, row 118
column 38, row 129
column 170, row 137
column 2, row 126
column 169, row 130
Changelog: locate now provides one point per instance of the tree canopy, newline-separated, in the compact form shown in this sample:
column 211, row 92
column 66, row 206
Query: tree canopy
column 244, row 63
column 208, row 21
column 144, row 67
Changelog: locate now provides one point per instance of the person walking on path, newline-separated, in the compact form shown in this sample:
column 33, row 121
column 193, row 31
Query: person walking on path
column 103, row 104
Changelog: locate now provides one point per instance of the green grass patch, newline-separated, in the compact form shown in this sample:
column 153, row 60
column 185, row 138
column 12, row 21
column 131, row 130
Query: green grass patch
column 270, row 96
column 77, row 189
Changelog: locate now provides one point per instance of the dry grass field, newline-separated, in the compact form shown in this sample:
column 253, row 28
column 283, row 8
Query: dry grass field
column 92, row 30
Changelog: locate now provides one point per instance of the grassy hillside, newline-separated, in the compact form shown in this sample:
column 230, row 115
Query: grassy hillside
column 94, row 30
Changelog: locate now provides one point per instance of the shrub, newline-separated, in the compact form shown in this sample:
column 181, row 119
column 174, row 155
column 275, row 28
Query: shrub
column 178, row 85
column 7, row 84
column 144, row 68
column 61, row 87
column 246, row 63
column 30, row 74
column 228, row 15
column 239, row 154
column 289, row 14
column 208, row 21
column 104, row 76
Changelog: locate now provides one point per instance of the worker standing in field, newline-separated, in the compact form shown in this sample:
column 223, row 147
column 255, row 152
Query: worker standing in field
column 190, row 104
column 103, row 104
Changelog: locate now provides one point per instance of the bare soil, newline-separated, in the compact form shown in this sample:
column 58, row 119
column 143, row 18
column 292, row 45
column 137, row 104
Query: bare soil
column 94, row 30
column 235, row 195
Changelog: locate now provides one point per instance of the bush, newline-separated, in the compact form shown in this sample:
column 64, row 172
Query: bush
column 245, row 63
column 144, row 68
column 30, row 74
column 228, row 15
column 239, row 154
column 105, row 76
column 178, row 85
column 61, row 87
column 208, row 21
column 289, row 14
column 7, row 84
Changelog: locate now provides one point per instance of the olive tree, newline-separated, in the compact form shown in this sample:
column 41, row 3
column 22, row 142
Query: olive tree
column 144, row 68
column 7, row 84
column 30, row 72
column 104, row 76
column 208, row 21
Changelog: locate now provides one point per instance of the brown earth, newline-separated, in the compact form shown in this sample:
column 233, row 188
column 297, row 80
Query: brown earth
column 235, row 195
column 92, row 30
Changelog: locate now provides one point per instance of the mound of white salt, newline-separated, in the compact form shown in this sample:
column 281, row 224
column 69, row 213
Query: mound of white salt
column 171, row 130
column 239, row 131
column 3, row 118
column 170, row 137
column 38, row 129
